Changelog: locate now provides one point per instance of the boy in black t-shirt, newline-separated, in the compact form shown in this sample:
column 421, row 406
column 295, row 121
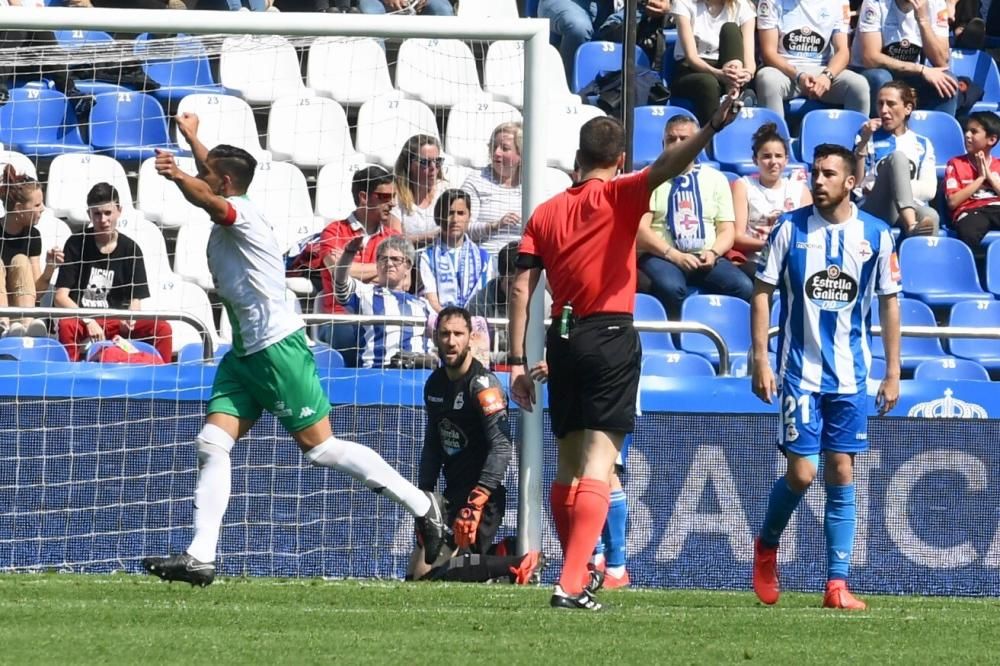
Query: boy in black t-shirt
column 104, row 269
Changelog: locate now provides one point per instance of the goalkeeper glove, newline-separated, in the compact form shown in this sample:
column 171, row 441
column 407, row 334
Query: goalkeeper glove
column 467, row 521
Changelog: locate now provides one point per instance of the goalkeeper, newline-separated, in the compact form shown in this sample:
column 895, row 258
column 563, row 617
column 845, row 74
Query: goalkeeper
column 466, row 435
column 269, row 367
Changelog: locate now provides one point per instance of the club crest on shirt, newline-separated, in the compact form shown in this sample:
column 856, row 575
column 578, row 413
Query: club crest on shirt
column 459, row 400
column 864, row 250
column 831, row 289
column 791, row 433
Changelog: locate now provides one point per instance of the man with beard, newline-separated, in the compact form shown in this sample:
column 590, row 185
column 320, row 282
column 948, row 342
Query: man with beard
column 828, row 261
column 466, row 436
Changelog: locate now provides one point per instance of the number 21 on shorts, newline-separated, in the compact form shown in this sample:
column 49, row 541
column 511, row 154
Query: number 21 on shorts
column 796, row 413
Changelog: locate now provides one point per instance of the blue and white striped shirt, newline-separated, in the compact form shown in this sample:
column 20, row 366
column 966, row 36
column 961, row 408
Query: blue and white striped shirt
column 382, row 341
column 827, row 275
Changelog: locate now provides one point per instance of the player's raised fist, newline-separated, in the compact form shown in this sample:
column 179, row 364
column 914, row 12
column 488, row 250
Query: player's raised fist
column 165, row 164
column 187, row 123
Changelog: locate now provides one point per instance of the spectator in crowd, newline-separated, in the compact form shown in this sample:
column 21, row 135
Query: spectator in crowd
column 805, row 51
column 420, row 181
column 373, row 189
column 21, row 276
column 495, row 191
column 104, row 268
column 453, row 268
column 906, row 40
column 114, row 4
column 422, row 7
column 386, row 295
column 972, row 182
column 683, row 240
column 895, row 165
column 714, row 51
column 760, row 199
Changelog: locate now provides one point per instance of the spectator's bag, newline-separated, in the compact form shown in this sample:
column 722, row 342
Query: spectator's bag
column 120, row 350
column 607, row 87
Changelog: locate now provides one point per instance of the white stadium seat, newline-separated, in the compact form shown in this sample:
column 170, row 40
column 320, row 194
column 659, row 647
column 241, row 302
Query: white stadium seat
column 308, row 131
column 279, row 190
column 438, row 72
column 260, row 68
column 504, row 74
column 54, row 233
column 351, row 70
column 161, row 201
column 486, row 9
column 470, row 128
column 70, row 178
column 22, row 163
column 222, row 119
column 386, row 123
column 556, row 181
column 176, row 294
column 150, row 240
column 334, row 200
column 191, row 255
column 562, row 132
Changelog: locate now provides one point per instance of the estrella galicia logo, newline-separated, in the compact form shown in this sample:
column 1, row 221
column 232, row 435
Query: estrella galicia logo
column 831, row 289
column 804, row 40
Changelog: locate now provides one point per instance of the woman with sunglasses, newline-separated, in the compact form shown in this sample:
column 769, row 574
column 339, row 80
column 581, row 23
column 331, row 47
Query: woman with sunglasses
column 419, row 182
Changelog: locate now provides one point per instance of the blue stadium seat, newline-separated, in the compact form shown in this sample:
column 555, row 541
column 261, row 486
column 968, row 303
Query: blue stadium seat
column 980, row 67
column 676, row 364
column 944, row 133
column 731, row 146
column 72, row 40
column 647, row 133
column 592, row 58
column 913, row 351
column 976, row 313
column 772, row 344
column 647, row 308
column 128, row 126
column 141, row 346
column 327, row 358
column 40, row 123
column 740, row 367
column 951, row 369
column 993, row 268
column 184, row 72
column 939, row 271
column 877, row 369
column 728, row 315
column 192, row 353
column 33, row 349
column 829, row 126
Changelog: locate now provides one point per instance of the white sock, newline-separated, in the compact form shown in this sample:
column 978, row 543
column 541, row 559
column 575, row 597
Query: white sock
column 369, row 468
column 211, row 495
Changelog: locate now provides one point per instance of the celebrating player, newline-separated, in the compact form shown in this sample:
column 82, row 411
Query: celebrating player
column 827, row 262
column 269, row 367
column 585, row 240
column 467, row 436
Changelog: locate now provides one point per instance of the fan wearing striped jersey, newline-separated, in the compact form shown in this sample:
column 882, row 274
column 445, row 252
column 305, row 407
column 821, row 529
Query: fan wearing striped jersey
column 269, row 367
column 827, row 262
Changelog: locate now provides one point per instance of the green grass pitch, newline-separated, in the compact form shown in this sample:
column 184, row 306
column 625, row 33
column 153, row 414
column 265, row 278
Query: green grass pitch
column 130, row 619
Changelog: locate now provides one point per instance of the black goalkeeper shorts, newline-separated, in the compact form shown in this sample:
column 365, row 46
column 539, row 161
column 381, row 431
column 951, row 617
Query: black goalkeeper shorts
column 594, row 374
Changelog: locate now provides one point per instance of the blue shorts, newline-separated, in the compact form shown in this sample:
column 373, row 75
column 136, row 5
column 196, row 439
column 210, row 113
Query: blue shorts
column 816, row 422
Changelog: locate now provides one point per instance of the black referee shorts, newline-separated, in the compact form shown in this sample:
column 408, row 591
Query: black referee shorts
column 594, row 374
column 489, row 523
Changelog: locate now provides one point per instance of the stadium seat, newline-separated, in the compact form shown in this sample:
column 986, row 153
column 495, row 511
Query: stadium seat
column 54, row 233
column 193, row 353
column 676, row 364
column 128, row 126
column 647, row 133
column 876, row 370
column 222, row 119
column 308, row 131
column 334, row 200
column 327, row 359
column 647, row 308
column 74, row 40
column 72, row 176
column 470, row 128
column 386, row 123
column 556, row 180
column 180, row 65
column 504, row 74
column 174, row 293
column 161, row 202
column 939, row 271
column 487, row 9
column 150, row 240
column 728, row 315
column 981, row 69
column 351, row 70
column 33, row 349
column 438, row 72
column 190, row 254
column 837, row 126
column 261, row 68
column 976, row 313
column 944, row 133
column 993, row 269
column 732, row 146
column 912, row 350
column 593, row 58
column 40, row 122
column 21, row 163
column 951, row 369
column 740, row 365
column 94, row 349
column 772, row 343
column 279, row 189
column 562, row 132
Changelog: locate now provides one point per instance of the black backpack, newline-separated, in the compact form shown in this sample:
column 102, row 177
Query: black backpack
column 607, row 88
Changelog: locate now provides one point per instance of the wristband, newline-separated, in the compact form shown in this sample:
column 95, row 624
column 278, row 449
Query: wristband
column 517, row 360
column 713, row 252
column 828, row 74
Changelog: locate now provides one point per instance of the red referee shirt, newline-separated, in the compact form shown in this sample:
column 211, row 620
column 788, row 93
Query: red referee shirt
column 958, row 174
column 585, row 238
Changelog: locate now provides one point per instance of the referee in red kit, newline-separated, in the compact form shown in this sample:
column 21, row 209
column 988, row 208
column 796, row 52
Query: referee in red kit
column 584, row 238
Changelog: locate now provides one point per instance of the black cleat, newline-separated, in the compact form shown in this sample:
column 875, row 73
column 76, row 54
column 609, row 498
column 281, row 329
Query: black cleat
column 596, row 581
column 181, row 567
column 432, row 528
column 583, row 601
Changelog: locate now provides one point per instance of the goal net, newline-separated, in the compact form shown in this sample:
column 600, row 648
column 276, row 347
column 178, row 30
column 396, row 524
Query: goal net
column 97, row 463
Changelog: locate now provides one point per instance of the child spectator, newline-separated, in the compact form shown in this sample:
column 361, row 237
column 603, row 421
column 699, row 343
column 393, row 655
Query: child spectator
column 454, row 268
column 972, row 182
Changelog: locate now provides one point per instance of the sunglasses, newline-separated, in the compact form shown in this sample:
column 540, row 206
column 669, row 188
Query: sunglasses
column 382, row 196
column 427, row 161
column 395, row 261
